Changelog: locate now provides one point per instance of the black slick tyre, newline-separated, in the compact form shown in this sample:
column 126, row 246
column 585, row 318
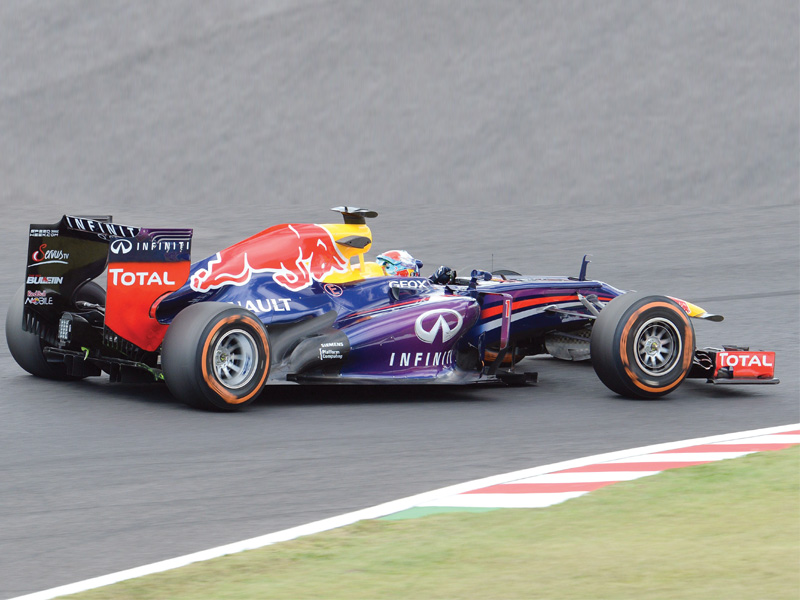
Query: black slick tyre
column 642, row 346
column 215, row 356
column 27, row 348
column 90, row 292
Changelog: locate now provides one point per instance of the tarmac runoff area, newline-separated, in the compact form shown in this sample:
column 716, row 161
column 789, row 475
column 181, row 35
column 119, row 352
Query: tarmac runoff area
column 537, row 487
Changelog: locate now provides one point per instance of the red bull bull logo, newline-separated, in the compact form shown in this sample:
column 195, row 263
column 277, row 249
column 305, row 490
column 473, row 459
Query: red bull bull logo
column 296, row 255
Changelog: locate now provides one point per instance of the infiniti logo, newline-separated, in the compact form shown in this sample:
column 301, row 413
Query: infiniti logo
column 431, row 322
column 121, row 246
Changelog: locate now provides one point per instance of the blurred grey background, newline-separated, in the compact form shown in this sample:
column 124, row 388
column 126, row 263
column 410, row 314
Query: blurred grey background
column 662, row 137
column 650, row 134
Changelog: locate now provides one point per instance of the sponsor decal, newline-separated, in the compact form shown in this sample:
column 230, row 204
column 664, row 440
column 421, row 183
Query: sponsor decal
column 746, row 364
column 40, row 280
column 296, row 255
column 142, row 278
column 735, row 359
column 444, row 320
column 333, row 290
column 132, row 289
column 331, row 351
column 682, row 303
column 122, row 246
column 92, row 226
column 267, row 305
column 411, row 284
column 38, row 298
column 44, row 233
column 42, row 256
column 421, row 359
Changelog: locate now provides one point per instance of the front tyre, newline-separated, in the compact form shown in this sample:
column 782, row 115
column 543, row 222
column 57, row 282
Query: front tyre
column 642, row 345
column 215, row 356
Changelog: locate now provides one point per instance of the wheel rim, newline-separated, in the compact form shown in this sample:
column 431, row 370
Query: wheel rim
column 658, row 347
column 235, row 358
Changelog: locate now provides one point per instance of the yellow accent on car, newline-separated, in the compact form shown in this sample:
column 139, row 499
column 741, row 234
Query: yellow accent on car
column 697, row 312
column 362, row 269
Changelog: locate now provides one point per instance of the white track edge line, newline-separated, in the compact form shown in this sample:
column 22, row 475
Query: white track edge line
column 374, row 512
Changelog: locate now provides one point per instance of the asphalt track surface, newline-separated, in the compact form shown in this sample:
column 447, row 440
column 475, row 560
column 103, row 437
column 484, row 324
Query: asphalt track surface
column 662, row 138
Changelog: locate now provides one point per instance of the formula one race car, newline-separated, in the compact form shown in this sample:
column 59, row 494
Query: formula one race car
column 299, row 303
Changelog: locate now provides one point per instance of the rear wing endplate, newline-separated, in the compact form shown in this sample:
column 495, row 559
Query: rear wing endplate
column 143, row 265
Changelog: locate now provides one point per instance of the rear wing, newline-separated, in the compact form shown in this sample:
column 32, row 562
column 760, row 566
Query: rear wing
column 142, row 266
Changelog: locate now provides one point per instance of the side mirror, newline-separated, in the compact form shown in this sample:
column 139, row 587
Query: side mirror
column 476, row 275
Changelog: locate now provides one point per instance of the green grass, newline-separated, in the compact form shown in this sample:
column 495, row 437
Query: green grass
column 728, row 530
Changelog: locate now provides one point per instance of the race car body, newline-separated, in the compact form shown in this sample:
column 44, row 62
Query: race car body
column 299, row 303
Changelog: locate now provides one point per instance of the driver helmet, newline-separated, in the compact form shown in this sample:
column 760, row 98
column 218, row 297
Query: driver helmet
column 399, row 263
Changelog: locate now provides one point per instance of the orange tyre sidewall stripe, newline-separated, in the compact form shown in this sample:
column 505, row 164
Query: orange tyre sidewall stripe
column 212, row 382
column 688, row 344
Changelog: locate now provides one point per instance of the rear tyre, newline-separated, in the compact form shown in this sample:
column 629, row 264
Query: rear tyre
column 28, row 348
column 642, row 346
column 215, row 356
column 90, row 292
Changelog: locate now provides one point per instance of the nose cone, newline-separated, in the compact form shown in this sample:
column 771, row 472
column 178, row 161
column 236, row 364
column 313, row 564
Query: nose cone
column 697, row 312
